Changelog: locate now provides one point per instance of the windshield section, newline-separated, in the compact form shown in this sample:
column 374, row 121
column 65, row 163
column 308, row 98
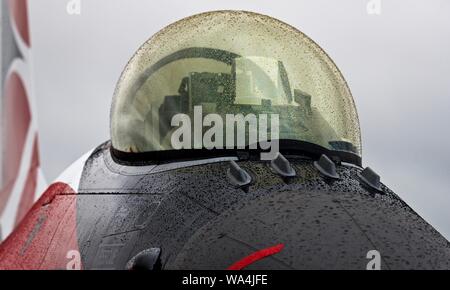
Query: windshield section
column 213, row 71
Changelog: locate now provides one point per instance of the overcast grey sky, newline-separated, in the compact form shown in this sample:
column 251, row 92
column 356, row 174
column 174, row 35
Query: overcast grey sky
column 397, row 65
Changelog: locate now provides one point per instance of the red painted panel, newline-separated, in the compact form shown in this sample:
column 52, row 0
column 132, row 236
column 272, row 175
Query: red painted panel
column 19, row 12
column 46, row 235
column 27, row 198
column 17, row 118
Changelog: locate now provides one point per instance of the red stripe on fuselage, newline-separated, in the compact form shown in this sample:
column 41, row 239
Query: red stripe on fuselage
column 253, row 258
